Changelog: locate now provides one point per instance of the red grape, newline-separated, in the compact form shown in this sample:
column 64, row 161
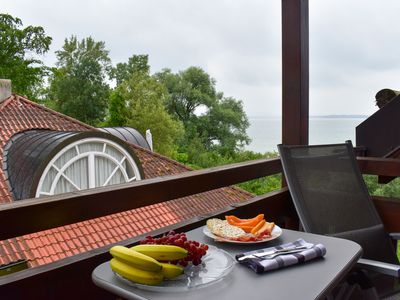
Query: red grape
column 183, row 263
column 196, row 250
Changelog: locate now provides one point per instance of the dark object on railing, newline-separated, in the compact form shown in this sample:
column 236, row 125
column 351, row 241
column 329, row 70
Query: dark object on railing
column 13, row 267
column 380, row 133
column 127, row 134
column 331, row 198
column 384, row 96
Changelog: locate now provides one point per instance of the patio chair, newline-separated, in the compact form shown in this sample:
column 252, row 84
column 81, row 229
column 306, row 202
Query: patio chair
column 331, row 198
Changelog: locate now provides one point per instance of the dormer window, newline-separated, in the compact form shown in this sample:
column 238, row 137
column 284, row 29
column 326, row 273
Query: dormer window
column 86, row 164
column 43, row 163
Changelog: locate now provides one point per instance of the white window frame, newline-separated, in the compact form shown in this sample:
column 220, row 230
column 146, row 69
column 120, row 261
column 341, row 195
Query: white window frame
column 90, row 155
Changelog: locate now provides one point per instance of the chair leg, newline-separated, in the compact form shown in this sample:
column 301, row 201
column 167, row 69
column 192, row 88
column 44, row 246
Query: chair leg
column 345, row 291
column 370, row 294
column 366, row 290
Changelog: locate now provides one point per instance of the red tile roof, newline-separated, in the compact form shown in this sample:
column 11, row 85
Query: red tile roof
column 18, row 114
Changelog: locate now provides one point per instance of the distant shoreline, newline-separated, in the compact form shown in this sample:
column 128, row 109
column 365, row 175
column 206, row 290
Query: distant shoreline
column 342, row 116
column 313, row 117
column 266, row 132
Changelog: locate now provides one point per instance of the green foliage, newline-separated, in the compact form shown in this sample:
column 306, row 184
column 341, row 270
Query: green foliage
column 78, row 87
column 145, row 109
column 371, row 183
column 198, row 158
column 118, row 113
column 222, row 124
column 398, row 250
column 190, row 121
column 118, row 106
column 136, row 63
column 391, row 189
column 262, row 185
column 18, row 47
column 188, row 90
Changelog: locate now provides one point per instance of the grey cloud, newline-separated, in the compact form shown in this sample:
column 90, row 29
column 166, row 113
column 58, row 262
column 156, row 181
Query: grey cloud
column 353, row 43
column 355, row 34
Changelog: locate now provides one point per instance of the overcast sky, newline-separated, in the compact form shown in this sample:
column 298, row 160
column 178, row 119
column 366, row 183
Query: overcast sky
column 353, row 44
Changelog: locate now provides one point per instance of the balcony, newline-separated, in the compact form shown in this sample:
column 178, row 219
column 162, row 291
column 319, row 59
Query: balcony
column 64, row 278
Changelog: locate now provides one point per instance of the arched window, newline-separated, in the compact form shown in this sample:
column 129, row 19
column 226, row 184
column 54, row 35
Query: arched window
column 87, row 163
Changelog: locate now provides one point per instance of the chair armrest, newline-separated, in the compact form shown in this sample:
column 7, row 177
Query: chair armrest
column 380, row 267
column 395, row 235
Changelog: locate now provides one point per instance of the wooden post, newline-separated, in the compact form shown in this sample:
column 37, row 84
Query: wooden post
column 295, row 72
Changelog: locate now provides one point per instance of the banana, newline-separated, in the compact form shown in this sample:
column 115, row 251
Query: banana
column 161, row 252
column 134, row 274
column 135, row 259
column 171, row 271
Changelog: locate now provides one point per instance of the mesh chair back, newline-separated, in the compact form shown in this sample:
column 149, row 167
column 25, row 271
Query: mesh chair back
column 330, row 196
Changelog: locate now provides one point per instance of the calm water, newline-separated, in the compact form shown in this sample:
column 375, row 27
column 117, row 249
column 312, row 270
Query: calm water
column 265, row 132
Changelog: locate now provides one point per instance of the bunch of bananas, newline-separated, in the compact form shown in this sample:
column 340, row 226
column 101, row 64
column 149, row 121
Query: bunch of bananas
column 140, row 263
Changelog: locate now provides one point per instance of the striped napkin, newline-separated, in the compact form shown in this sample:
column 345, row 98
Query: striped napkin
column 260, row 265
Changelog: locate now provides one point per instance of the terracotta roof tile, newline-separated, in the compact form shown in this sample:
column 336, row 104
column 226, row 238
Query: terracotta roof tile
column 18, row 114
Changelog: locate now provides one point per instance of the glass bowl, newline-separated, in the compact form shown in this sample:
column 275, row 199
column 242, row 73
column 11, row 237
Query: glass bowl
column 216, row 265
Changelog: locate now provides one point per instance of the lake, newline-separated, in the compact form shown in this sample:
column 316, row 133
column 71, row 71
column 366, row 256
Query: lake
column 265, row 132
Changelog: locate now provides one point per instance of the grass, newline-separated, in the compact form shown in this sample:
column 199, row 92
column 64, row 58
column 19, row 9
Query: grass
column 398, row 251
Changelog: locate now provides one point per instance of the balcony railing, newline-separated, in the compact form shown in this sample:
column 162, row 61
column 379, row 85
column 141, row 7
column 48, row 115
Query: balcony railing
column 71, row 276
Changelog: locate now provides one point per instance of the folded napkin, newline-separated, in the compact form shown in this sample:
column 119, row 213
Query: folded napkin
column 260, row 264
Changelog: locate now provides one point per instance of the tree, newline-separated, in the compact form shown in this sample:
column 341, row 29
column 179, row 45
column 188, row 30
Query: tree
column 136, row 63
column 219, row 122
column 118, row 110
column 19, row 48
column 188, row 90
column 139, row 99
column 224, row 125
column 118, row 107
column 78, row 87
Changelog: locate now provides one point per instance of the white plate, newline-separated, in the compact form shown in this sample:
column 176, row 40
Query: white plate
column 276, row 232
column 216, row 265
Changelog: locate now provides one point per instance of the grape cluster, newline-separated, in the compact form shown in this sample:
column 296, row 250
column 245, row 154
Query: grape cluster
column 195, row 249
